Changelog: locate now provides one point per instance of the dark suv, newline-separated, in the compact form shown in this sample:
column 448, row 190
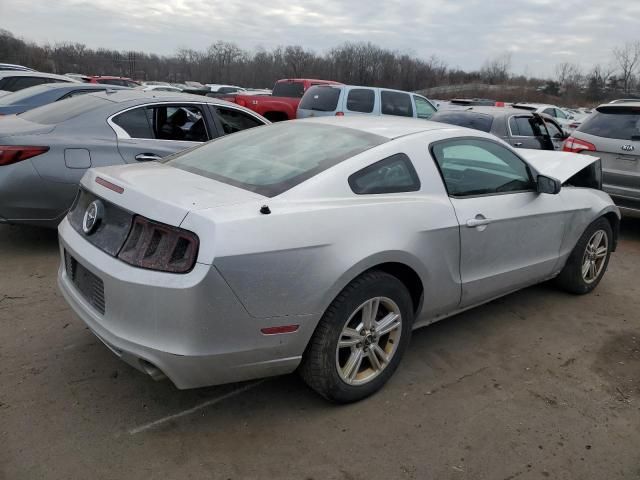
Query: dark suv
column 612, row 133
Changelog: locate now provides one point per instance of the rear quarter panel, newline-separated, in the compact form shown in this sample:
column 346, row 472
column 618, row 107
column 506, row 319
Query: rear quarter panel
column 320, row 236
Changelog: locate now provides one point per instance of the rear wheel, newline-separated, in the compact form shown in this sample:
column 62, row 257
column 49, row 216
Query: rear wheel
column 589, row 259
column 360, row 340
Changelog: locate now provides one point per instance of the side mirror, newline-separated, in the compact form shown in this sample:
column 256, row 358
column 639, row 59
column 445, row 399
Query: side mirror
column 548, row 185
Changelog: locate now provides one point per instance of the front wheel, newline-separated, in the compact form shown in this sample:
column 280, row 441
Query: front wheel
column 589, row 259
column 360, row 339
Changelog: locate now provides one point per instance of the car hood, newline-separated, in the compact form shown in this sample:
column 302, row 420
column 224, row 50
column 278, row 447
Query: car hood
column 162, row 193
column 559, row 165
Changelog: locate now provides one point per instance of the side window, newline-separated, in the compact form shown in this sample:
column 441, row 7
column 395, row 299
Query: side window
column 135, row 123
column 424, row 109
column 361, row 100
column 550, row 111
column 395, row 103
column 183, row 123
column 553, row 130
column 560, row 114
column 480, row 167
column 235, row 120
column 521, row 127
column 394, row 174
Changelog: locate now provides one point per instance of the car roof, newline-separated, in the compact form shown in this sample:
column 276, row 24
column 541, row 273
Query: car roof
column 619, row 105
column 535, row 105
column 82, row 86
column 15, row 73
column 387, row 126
column 494, row 111
column 108, row 77
column 140, row 97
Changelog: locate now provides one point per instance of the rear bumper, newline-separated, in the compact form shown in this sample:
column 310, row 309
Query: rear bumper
column 189, row 328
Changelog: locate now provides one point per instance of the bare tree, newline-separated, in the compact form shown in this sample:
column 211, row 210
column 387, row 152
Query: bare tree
column 496, row 70
column 627, row 59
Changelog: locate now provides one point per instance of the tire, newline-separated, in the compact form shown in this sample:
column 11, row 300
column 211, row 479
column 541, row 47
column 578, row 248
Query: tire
column 325, row 367
column 572, row 277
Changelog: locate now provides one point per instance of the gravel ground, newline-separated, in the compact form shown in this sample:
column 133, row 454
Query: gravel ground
column 539, row 384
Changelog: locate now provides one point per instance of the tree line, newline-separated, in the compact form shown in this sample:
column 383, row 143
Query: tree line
column 360, row 63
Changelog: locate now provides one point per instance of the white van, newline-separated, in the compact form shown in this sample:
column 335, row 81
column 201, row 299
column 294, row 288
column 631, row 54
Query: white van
column 326, row 100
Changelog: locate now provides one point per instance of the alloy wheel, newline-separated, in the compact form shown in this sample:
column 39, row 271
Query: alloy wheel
column 595, row 256
column 368, row 341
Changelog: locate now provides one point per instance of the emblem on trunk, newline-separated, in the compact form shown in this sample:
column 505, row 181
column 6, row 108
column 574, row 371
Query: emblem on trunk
column 92, row 217
column 628, row 148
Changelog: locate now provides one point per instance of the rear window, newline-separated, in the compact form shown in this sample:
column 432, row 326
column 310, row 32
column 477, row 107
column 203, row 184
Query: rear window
column 320, row 99
column 477, row 121
column 59, row 112
column 255, row 160
column 621, row 123
column 288, row 89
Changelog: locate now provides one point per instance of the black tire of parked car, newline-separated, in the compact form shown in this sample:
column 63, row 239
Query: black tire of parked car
column 570, row 278
column 318, row 367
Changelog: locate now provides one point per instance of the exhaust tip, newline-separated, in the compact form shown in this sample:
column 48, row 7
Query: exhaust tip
column 151, row 370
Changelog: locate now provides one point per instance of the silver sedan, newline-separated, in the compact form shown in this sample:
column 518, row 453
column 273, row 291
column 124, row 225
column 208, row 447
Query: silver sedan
column 45, row 151
column 319, row 245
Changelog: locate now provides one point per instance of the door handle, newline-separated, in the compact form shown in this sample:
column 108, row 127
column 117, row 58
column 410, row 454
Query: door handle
column 479, row 221
column 147, row 157
column 517, row 144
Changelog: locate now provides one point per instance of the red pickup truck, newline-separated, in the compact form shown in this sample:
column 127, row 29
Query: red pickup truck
column 283, row 101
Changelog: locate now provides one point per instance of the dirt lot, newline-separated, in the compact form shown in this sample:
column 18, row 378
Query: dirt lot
column 539, row 384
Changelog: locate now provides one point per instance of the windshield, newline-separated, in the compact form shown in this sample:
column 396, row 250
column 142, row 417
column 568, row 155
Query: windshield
column 622, row 123
column 288, row 89
column 59, row 112
column 272, row 159
column 23, row 96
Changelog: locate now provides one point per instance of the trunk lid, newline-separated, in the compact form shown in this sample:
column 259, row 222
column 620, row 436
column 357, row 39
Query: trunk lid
column 13, row 125
column 162, row 193
column 559, row 165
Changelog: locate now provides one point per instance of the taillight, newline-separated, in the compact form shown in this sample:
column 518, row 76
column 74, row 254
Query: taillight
column 339, row 114
column 576, row 145
column 13, row 153
column 157, row 246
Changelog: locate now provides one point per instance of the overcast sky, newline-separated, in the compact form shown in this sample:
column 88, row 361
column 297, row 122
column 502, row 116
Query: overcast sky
column 539, row 33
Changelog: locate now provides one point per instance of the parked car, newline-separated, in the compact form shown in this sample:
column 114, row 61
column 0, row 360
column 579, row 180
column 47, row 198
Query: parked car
column 16, row 68
column 328, row 100
column 561, row 117
column 522, row 129
column 13, row 80
column 283, row 102
column 109, row 80
column 612, row 133
column 33, row 97
column 44, row 152
column 319, row 245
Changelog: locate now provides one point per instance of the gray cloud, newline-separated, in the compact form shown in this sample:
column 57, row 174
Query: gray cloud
column 539, row 33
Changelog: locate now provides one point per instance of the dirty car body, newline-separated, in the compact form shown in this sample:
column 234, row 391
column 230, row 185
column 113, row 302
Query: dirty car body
column 272, row 242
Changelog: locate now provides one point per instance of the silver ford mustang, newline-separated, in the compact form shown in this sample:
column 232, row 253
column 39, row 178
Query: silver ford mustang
column 319, row 245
